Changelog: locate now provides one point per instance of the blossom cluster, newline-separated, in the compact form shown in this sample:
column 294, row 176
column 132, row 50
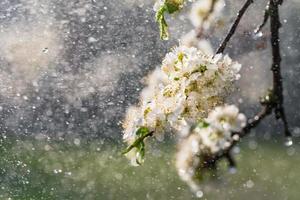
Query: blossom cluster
column 188, row 85
column 209, row 137
column 204, row 12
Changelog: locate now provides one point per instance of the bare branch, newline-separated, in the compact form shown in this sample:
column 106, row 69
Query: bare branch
column 234, row 26
column 276, row 68
column 276, row 103
column 266, row 17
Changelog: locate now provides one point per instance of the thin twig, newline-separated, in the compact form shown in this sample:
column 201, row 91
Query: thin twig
column 266, row 17
column 276, row 103
column 234, row 26
column 252, row 123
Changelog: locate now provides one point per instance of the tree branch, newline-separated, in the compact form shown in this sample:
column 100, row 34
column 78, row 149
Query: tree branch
column 266, row 17
column 276, row 69
column 234, row 26
column 275, row 100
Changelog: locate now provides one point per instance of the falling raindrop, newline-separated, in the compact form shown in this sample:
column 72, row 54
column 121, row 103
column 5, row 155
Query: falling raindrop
column 68, row 173
column 290, row 151
column 77, row 141
column 236, row 150
column 199, row 194
column 249, row 184
column 288, row 141
column 257, row 35
column 45, row 50
column 296, row 131
column 232, row 170
column 252, row 145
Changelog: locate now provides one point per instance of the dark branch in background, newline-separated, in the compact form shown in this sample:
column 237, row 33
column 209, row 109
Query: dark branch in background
column 234, row 26
column 274, row 100
column 266, row 17
column 277, row 78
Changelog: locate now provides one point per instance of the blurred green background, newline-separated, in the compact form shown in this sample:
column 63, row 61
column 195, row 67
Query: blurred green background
column 81, row 169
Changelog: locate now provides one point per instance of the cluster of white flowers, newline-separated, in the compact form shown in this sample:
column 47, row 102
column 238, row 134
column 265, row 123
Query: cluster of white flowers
column 197, row 82
column 188, row 160
column 212, row 135
column 204, row 12
column 221, row 123
column 188, row 86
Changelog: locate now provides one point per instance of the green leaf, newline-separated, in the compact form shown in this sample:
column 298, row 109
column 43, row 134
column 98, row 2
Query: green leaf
column 201, row 68
column 163, row 26
column 202, row 124
column 170, row 7
column 142, row 133
column 141, row 153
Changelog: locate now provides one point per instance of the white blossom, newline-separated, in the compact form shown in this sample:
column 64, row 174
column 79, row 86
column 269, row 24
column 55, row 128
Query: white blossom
column 155, row 81
column 189, row 85
column 188, row 160
column 221, row 122
column 212, row 135
column 132, row 121
column 201, row 15
column 227, row 118
column 214, row 140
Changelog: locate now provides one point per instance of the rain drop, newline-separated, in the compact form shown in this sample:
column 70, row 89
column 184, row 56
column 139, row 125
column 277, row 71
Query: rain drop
column 288, row 141
column 199, row 194
column 257, row 35
column 291, row 151
column 45, row 50
column 232, row 170
column 249, row 184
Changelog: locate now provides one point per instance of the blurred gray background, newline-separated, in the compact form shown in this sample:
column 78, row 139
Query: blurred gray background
column 71, row 68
